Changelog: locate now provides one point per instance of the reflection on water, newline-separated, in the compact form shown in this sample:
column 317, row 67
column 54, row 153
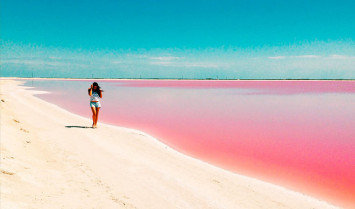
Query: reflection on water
column 295, row 133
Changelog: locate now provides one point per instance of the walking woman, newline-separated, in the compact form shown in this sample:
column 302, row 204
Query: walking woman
column 95, row 94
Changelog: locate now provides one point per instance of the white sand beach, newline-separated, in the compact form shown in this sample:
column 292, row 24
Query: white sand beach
column 49, row 159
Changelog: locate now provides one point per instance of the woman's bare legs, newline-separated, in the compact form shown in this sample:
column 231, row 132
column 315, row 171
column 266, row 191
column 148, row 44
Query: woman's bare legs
column 93, row 109
column 97, row 116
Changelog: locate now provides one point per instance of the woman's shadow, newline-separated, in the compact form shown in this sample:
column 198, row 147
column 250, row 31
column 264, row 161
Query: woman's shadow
column 78, row 127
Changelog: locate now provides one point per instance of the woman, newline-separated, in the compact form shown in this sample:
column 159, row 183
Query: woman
column 95, row 94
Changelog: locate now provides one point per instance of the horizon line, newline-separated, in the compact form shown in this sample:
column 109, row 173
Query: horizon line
column 187, row 79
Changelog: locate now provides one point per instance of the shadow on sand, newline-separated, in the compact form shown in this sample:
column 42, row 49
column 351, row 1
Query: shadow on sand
column 78, row 127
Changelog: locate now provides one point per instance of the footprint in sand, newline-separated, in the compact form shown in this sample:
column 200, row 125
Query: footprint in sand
column 215, row 181
column 16, row 121
column 3, row 100
column 7, row 172
column 24, row 130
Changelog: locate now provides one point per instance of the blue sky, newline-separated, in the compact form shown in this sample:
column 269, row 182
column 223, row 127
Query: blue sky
column 191, row 39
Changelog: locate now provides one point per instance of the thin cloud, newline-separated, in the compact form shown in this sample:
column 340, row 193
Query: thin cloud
column 201, row 64
column 116, row 62
column 187, row 64
column 338, row 56
column 31, row 62
column 163, row 63
column 306, row 56
column 297, row 56
column 277, row 57
column 165, row 58
column 55, row 58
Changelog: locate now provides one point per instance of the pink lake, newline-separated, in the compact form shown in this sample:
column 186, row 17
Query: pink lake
column 297, row 134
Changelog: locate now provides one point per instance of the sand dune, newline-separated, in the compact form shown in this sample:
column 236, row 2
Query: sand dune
column 50, row 158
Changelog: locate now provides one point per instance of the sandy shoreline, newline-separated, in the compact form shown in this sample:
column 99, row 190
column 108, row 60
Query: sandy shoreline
column 50, row 159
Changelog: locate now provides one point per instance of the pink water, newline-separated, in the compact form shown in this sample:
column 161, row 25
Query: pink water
column 298, row 134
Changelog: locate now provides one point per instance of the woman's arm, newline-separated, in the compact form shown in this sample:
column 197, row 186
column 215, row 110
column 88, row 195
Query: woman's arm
column 90, row 91
column 100, row 93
